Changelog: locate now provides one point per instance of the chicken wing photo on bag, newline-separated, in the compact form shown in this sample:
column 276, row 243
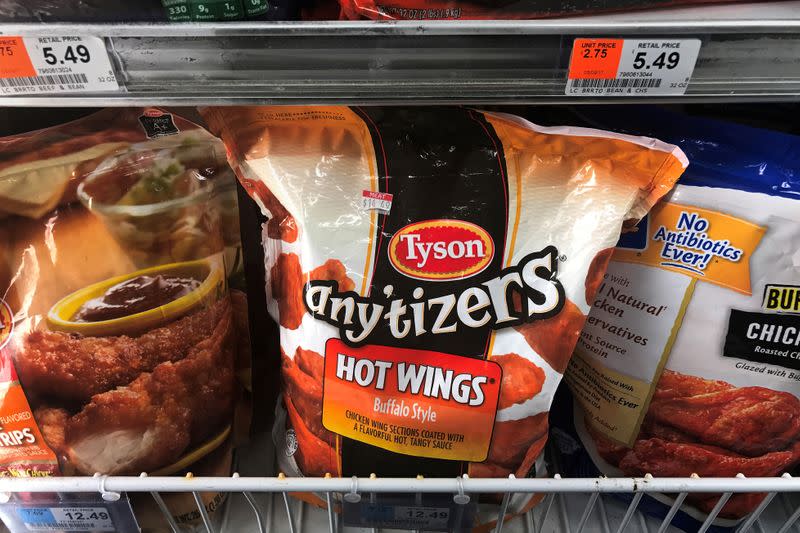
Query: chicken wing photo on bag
column 287, row 280
column 597, row 269
column 310, row 362
column 555, row 338
column 281, row 224
column 511, row 439
column 522, row 379
column 305, row 392
column 314, row 456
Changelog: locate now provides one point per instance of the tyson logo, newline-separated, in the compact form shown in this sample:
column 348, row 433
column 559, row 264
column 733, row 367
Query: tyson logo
column 440, row 250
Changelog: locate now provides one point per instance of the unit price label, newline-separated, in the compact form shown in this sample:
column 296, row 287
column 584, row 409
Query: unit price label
column 631, row 67
column 422, row 517
column 67, row 518
column 84, row 513
column 431, row 512
column 46, row 65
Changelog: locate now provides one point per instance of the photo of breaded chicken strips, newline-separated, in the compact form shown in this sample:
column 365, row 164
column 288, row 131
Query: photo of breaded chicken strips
column 152, row 421
column 72, row 369
column 51, row 422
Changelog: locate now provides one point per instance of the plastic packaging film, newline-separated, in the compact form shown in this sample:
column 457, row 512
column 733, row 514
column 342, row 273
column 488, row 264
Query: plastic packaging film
column 429, row 270
column 120, row 308
column 688, row 361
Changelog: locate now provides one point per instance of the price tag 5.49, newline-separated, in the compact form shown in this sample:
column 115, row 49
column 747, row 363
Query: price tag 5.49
column 631, row 67
column 34, row 65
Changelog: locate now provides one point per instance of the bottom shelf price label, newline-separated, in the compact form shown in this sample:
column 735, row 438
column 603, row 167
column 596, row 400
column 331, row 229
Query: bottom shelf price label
column 430, row 513
column 85, row 514
column 422, row 517
column 631, row 67
column 66, row 518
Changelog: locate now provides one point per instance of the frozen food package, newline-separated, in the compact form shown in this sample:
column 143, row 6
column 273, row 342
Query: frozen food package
column 120, row 321
column 689, row 362
column 485, row 9
column 427, row 268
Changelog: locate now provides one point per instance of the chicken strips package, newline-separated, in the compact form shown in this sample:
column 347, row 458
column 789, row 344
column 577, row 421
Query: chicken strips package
column 118, row 237
column 428, row 269
column 689, row 362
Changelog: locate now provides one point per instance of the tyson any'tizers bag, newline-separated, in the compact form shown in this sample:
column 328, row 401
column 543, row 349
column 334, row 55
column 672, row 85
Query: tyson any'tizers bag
column 428, row 269
column 690, row 358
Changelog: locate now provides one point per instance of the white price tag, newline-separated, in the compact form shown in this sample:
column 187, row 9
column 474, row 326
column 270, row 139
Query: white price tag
column 631, row 67
column 378, row 201
column 66, row 518
column 47, row 65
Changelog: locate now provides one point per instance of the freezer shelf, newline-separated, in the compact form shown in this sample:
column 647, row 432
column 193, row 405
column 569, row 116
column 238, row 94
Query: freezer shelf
column 578, row 505
column 570, row 505
column 749, row 51
column 564, row 516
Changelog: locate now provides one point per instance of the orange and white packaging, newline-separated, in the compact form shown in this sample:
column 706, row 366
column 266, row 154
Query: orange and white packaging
column 430, row 270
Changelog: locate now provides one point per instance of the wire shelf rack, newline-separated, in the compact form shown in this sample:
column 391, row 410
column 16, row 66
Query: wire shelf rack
column 571, row 505
column 262, row 504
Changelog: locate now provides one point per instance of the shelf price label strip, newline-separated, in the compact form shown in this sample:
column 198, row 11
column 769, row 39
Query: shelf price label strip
column 631, row 67
column 84, row 513
column 54, row 65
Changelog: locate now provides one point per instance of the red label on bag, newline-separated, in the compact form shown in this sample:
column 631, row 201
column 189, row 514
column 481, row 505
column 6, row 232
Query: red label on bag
column 595, row 58
column 417, row 402
column 439, row 250
column 379, row 201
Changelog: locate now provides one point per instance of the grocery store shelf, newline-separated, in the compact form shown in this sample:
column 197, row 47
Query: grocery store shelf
column 465, row 484
column 263, row 504
column 581, row 496
column 749, row 51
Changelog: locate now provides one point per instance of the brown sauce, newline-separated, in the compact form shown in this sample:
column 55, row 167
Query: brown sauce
column 135, row 296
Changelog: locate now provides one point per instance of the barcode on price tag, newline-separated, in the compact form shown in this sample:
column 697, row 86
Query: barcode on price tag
column 631, row 67
column 46, row 65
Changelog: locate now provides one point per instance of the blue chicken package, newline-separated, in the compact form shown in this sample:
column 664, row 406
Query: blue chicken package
column 689, row 362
